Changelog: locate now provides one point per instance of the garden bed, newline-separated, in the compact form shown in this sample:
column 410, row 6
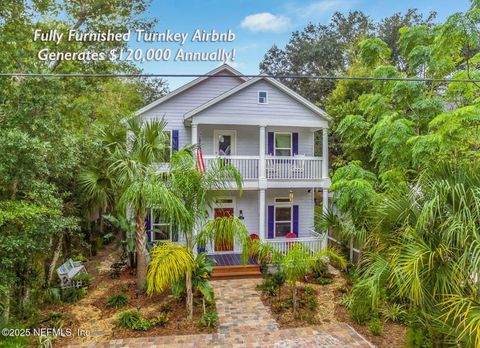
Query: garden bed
column 327, row 310
column 92, row 313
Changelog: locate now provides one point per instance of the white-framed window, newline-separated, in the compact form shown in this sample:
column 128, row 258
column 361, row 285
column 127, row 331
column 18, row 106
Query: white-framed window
column 262, row 97
column 160, row 230
column 283, row 144
column 283, row 217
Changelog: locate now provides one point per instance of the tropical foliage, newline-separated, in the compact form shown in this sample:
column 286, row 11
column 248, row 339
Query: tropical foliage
column 406, row 187
column 197, row 191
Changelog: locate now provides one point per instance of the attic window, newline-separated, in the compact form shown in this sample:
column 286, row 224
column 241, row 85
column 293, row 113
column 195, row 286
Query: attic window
column 262, row 97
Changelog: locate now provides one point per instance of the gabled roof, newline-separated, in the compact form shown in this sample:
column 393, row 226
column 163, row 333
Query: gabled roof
column 190, row 85
column 250, row 82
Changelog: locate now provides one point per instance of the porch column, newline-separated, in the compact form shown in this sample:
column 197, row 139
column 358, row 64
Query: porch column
column 194, row 134
column 261, row 209
column 194, row 142
column 261, row 154
column 324, row 209
column 325, row 153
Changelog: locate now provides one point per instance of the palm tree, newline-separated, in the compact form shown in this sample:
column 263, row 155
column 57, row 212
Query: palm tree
column 423, row 249
column 169, row 264
column 141, row 187
column 299, row 261
column 127, row 226
column 197, row 192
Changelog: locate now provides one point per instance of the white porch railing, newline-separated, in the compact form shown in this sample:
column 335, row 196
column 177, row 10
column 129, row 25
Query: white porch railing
column 276, row 168
column 246, row 165
column 293, row 168
column 314, row 243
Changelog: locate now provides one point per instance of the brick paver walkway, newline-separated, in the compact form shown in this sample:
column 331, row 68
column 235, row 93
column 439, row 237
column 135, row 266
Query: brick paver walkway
column 245, row 322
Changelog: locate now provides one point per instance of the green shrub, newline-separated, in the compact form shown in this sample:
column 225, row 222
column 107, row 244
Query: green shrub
column 320, row 267
column 278, row 278
column 285, row 304
column 108, row 237
column 208, row 319
column 45, row 341
column 309, row 291
column 347, row 300
column 52, row 295
column 132, row 320
column 165, row 308
column 375, row 326
column 161, row 319
column 360, row 312
column 394, row 312
column 416, row 337
column 117, row 301
column 324, row 280
column 269, row 287
column 310, row 297
column 72, row 295
column 85, row 278
column 80, row 258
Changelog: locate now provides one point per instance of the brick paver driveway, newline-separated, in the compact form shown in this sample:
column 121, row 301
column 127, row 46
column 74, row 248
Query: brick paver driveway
column 246, row 322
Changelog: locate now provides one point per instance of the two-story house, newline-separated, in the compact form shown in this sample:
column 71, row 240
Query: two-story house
column 267, row 131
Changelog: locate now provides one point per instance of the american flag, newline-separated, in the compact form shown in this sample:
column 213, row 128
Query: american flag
column 200, row 162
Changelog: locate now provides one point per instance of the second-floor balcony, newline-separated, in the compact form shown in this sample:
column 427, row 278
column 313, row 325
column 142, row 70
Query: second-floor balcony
column 291, row 168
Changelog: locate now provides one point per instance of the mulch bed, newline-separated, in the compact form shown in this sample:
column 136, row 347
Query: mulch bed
column 330, row 311
column 282, row 308
column 96, row 316
column 393, row 335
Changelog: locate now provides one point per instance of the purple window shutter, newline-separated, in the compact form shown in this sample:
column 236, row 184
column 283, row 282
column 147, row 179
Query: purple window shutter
column 295, row 220
column 148, row 226
column 295, row 144
column 270, row 143
column 271, row 212
column 175, row 139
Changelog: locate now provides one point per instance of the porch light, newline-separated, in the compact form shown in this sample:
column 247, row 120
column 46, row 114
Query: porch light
column 240, row 216
column 290, row 196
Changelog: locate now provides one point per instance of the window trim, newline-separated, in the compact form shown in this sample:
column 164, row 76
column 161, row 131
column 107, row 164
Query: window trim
column 171, row 141
column 281, row 205
column 282, row 148
column 266, row 97
column 152, row 224
column 232, row 133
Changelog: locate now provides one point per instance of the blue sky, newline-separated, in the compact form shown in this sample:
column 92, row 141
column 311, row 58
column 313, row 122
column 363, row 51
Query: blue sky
column 260, row 24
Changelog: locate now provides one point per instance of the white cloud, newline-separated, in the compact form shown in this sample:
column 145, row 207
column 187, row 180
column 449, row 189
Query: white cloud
column 322, row 6
column 265, row 21
column 319, row 9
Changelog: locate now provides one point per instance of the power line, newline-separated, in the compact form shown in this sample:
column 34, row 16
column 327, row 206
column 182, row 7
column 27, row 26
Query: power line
column 305, row 77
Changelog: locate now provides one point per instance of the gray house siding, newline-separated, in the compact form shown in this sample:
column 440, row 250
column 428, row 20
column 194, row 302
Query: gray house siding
column 174, row 109
column 248, row 138
column 248, row 203
column 244, row 104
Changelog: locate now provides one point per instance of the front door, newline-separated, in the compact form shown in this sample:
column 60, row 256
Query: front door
column 221, row 212
column 225, row 142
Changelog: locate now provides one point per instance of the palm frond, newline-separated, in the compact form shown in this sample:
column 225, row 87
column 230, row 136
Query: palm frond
column 169, row 264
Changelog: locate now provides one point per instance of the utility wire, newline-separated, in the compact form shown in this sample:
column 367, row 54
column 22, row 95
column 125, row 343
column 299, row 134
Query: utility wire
column 311, row 77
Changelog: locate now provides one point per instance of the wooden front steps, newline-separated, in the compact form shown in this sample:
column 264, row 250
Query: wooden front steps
column 235, row 272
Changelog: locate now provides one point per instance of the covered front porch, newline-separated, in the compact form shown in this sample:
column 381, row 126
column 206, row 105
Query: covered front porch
column 279, row 217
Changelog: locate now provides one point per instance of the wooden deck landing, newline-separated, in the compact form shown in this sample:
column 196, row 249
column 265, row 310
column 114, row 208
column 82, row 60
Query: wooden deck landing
column 229, row 266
